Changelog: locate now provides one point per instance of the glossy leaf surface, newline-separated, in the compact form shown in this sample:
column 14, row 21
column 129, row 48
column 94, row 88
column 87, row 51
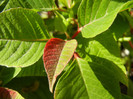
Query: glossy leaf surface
column 57, row 54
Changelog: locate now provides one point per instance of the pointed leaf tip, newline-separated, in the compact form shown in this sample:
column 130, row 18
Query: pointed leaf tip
column 57, row 54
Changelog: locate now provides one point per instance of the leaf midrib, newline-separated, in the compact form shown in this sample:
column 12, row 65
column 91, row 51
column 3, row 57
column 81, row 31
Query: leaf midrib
column 82, row 76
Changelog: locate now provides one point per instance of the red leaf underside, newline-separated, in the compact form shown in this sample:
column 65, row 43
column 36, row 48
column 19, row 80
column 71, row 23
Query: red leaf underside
column 7, row 93
column 57, row 53
column 51, row 55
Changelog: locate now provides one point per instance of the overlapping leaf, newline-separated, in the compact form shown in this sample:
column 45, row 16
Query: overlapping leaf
column 36, row 69
column 19, row 29
column 3, row 4
column 31, row 87
column 66, row 3
column 130, row 88
column 126, row 97
column 128, row 5
column 129, row 18
column 103, row 46
column 62, row 23
column 89, row 81
column 22, row 24
column 45, row 5
column 6, row 74
column 6, row 93
column 119, row 30
column 57, row 54
column 96, row 16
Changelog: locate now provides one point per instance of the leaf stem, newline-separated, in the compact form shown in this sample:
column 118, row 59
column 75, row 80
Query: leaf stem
column 75, row 21
column 77, row 32
column 76, row 55
column 131, row 44
column 62, row 10
column 67, row 35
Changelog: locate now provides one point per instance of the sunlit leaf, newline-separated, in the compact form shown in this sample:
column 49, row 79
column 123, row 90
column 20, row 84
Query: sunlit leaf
column 103, row 46
column 45, row 5
column 96, row 16
column 20, row 31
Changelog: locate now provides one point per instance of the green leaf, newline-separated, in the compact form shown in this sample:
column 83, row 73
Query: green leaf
column 45, row 5
column 60, row 23
column 128, row 5
column 31, row 87
column 75, row 6
column 6, row 93
column 20, row 53
column 1, row 1
column 120, row 26
column 22, row 24
column 19, row 29
column 88, row 81
column 57, row 53
column 96, row 16
column 36, row 69
column 126, row 97
column 3, row 4
column 130, row 88
column 6, row 74
column 101, row 48
column 64, row 2
column 50, row 24
column 128, row 16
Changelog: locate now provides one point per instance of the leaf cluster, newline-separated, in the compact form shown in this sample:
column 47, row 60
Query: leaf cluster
column 66, row 49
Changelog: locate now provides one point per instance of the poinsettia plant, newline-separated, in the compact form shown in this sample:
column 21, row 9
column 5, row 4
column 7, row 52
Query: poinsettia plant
column 66, row 49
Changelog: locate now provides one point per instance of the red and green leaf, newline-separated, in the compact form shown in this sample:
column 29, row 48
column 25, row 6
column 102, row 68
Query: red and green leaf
column 57, row 54
column 6, row 93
